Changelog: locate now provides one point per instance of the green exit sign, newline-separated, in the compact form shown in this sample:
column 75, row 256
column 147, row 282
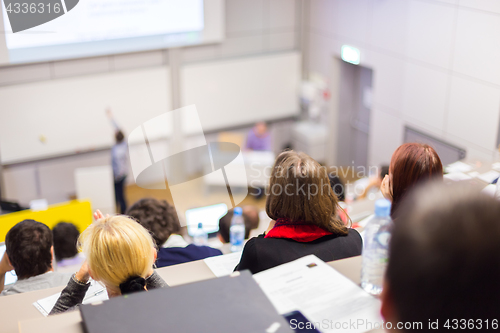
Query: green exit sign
column 350, row 54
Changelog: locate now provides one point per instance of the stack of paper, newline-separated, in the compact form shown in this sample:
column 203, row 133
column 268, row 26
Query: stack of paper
column 489, row 177
column 458, row 167
column 457, row 176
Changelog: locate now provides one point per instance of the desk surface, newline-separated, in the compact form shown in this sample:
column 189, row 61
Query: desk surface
column 34, row 322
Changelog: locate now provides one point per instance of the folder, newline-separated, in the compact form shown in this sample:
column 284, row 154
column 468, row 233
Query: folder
column 226, row 304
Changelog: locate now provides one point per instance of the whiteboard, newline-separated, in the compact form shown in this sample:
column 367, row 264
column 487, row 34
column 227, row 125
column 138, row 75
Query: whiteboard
column 242, row 91
column 70, row 113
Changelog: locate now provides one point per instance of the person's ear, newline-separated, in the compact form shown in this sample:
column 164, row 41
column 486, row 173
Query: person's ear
column 155, row 253
column 387, row 309
column 52, row 256
column 8, row 260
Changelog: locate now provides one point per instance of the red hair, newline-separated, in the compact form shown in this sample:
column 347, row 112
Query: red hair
column 411, row 164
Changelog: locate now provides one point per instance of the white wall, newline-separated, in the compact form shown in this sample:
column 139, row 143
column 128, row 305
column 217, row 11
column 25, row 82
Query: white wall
column 252, row 28
column 436, row 66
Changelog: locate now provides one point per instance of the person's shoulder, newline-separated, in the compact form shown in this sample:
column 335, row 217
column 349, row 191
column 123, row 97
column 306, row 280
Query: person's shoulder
column 204, row 248
column 63, row 276
column 256, row 241
column 353, row 233
column 260, row 243
column 9, row 290
column 54, row 279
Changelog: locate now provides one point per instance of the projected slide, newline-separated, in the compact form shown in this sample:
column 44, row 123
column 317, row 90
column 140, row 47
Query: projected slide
column 99, row 20
column 87, row 28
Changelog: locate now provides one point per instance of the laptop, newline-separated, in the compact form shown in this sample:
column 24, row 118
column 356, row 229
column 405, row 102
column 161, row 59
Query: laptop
column 209, row 217
column 10, row 277
column 226, row 304
column 9, row 207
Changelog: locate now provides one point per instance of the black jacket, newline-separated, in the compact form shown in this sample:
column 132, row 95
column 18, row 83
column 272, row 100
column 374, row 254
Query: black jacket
column 262, row 253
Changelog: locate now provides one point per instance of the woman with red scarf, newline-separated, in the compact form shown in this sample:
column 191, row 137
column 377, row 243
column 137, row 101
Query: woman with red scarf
column 304, row 210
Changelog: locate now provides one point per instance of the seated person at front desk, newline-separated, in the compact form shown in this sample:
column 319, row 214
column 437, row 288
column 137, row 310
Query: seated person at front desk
column 444, row 269
column 128, row 269
column 304, row 210
column 250, row 217
column 65, row 247
column 160, row 218
column 259, row 138
column 29, row 252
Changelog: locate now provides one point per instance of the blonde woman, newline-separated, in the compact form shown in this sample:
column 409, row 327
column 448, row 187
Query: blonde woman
column 120, row 253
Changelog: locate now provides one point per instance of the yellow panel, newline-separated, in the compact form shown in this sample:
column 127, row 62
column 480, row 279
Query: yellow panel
column 77, row 212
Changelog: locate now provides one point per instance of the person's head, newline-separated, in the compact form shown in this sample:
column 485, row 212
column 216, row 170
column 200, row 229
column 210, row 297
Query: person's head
column 29, row 248
column 384, row 171
column 338, row 186
column 411, row 164
column 159, row 217
column 65, row 240
column 444, row 257
column 119, row 136
column 117, row 248
column 250, row 217
column 299, row 190
column 260, row 128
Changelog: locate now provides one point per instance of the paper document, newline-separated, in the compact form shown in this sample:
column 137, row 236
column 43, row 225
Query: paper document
column 96, row 292
column 489, row 176
column 223, row 265
column 329, row 300
column 457, row 176
column 458, row 167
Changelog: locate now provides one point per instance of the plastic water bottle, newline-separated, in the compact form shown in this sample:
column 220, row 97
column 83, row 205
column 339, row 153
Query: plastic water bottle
column 200, row 236
column 237, row 230
column 376, row 248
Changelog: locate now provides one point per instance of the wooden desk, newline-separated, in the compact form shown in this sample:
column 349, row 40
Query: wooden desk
column 19, row 315
column 16, row 308
column 174, row 275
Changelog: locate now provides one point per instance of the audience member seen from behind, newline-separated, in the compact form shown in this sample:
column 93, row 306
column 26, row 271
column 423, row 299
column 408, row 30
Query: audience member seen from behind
column 65, row 245
column 160, row 218
column 444, row 261
column 373, row 185
column 29, row 252
column 119, row 162
column 411, row 164
column 250, row 216
column 120, row 253
column 259, row 138
column 304, row 210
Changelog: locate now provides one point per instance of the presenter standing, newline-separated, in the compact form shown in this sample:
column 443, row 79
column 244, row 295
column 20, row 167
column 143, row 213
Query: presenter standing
column 259, row 138
column 119, row 162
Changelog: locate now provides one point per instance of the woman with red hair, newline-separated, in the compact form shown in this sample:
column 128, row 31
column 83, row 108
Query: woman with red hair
column 411, row 164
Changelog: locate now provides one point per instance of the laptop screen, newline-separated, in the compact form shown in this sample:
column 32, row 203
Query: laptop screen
column 209, row 216
column 10, row 277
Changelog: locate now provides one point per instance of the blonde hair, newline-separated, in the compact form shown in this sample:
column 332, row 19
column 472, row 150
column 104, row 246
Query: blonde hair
column 117, row 248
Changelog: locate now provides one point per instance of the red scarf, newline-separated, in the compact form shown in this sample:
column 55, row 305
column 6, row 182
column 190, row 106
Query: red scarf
column 298, row 231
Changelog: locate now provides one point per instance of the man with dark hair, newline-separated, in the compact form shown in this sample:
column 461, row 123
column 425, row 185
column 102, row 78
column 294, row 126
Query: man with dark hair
column 444, row 264
column 65, row 244
column 29, row 252
column 160, row 218
column 250, row 217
